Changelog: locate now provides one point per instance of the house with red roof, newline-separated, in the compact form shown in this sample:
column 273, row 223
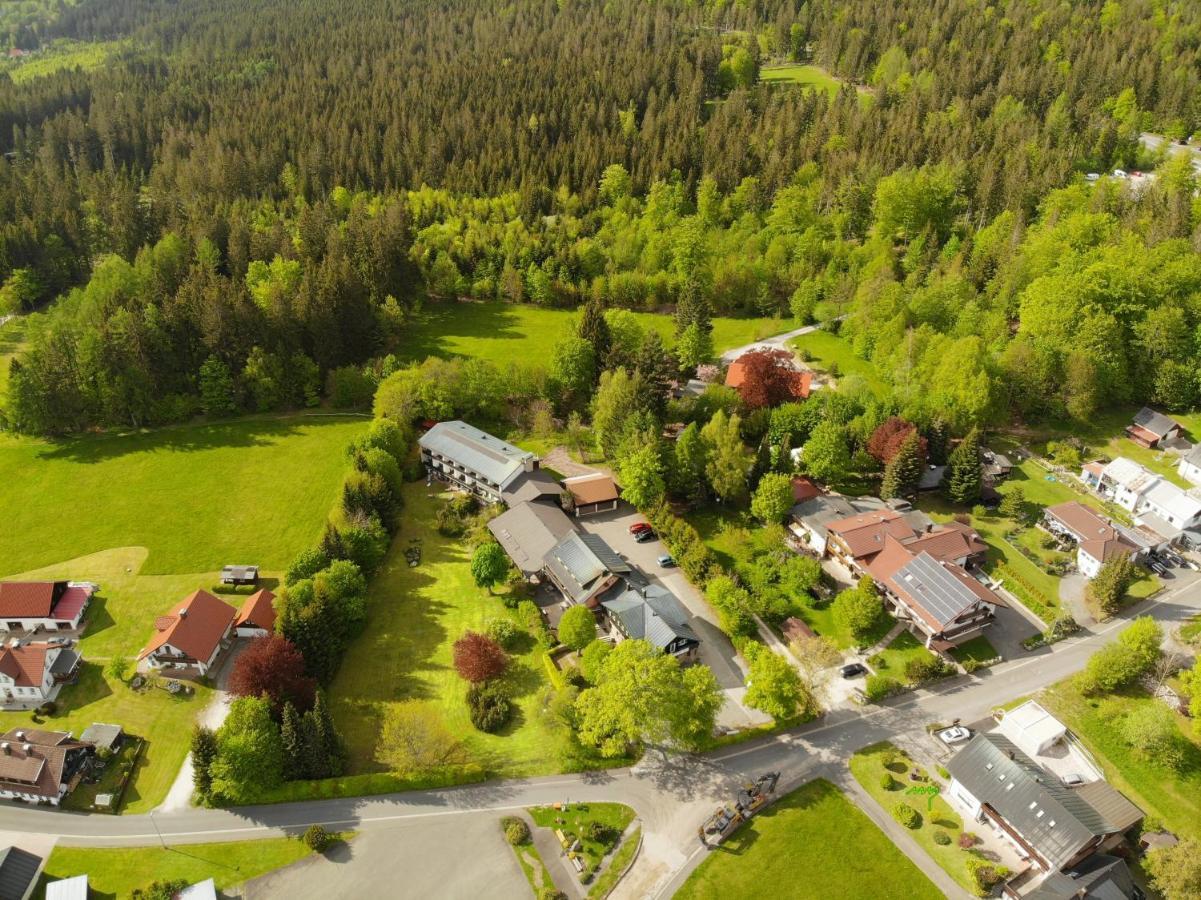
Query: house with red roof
column 800, row 381
column 191, row 636
column 32, row 673
column 256, row 618
column 43, row 605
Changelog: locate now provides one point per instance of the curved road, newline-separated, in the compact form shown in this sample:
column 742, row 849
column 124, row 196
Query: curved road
column 672, row 793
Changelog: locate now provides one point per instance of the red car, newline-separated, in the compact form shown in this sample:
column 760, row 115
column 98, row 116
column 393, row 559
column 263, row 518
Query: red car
column 639, row 527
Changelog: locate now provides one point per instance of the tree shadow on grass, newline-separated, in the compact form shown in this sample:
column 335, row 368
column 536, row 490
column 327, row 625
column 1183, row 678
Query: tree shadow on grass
column 441, row 320
column 252, row 432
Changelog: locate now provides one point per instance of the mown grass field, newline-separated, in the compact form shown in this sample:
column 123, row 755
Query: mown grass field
column 505, row 333
column 58, row 56
column 810, row 844
column 805, row 76
column 12, row 340
column 415, row 615
column 197, row 497
column 826, row 349
column 117, row 872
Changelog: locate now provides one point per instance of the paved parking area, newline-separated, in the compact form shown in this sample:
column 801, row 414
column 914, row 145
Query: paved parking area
column 716, row 651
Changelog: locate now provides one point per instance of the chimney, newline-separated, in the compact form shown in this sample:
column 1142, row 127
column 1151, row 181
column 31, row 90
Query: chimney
column 20, row 735
column 183, row 613
column 28, row 748
column 6, row 748
column 1009, row 753
column 530, row 463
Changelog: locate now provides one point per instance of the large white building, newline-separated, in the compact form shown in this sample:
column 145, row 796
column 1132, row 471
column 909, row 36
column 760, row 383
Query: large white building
column 1157, row 504
column 1190, row 465
column 479, row 463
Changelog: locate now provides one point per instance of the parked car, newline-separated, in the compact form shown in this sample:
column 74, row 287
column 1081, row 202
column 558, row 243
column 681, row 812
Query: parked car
column 1072, row 781
column 643, row 536
column 639, row 527
column 1156, row 567
column 59, row 642
column 1171, row 559
column 956, row 734
column 667, row 561
column 853, row 669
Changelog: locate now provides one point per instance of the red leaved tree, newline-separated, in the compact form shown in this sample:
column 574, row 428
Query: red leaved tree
column 887, row 439
column 479, row 658
column 274, row 667
column 768, row 378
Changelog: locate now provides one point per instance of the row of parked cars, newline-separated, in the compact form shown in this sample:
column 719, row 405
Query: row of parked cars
column 1161, row 562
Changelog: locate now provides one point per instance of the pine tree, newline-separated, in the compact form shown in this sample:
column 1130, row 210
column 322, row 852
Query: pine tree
column 936, row 443
column 595, row 330
column 204, row 751
column 332, row 745
column 656, row 365
column 904, row 470
column 290, row 734
column 314, row 761
column 963, row 481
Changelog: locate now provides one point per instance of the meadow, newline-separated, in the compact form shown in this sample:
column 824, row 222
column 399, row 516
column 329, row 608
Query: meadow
column 806, row 76
column 63, row 54
column 504, row 333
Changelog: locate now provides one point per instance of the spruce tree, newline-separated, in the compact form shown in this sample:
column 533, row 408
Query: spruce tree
column 657, row 367
column 290, row 735
column 204, row 751
column 595, row 330
column 963, row 481
column 332, row 745
column 936, row 443
column 314, row 761
column 904, row 470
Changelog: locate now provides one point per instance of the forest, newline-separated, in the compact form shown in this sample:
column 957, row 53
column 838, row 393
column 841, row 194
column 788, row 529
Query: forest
column 242, row 207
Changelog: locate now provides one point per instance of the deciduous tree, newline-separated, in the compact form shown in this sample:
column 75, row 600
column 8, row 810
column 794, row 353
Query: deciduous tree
column 773, row 498
column 414, row 740
column 489, row 565
column 273, row 667
column 479, row 658
column 577, row 627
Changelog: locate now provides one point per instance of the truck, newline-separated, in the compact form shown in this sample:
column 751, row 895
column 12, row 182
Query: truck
column 753, row 797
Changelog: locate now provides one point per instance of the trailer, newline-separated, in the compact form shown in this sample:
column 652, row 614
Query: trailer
column 752, row 797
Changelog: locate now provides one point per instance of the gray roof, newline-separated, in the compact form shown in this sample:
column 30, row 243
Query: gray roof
column 1155, row 422
column 653, row 615
column 939, row 592
column 65, row 662
column 528, row 531
column 18, row 869
column 1099, row 877
column 818, row 512
column 1055, row 821
column 1111, row 804
column 497, row 461
column 529, row 486
column 1194, row 454
column 579, row 560
column 102, row 735
column 931, row 478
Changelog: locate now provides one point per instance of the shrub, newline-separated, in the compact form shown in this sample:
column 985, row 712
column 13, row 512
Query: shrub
column 920, row 669
column 479, row 658
column 906, row 814
column 942, row 838
column 880, row 686
column 317, row 839
column 159, row 890
column 516, row 831
column 489, row 706
column 504, row 631
column 967, row 840
column 985, row 874
column 48, row 708
column 598, row 832
column 448, row 524
column 943, row 772
column 888, row 783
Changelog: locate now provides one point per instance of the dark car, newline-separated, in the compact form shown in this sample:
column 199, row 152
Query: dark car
column 643, row 536
column 850, row 671
column 639, row 527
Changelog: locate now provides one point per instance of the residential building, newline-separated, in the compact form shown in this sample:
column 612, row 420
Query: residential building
column 1097, row 539
column 1054, row 826
column 994, row 466
column 582, row 566
column 810, row 519
column 40, row 766
column 1152, row 429
column 191, row 636
column 652, row 613
column 936, row 598
column 533, row 487
column 1189, row 466
column 19, row 870
column 474, row 461
column 592, row 493
column 855, row 540
column 74, row 888
column 43, row 605
column 528, row 531
column 1099, row 877
column 33, row 673
column 256, row 618
column 1158, row 505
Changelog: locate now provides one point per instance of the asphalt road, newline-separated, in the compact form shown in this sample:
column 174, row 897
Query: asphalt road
column 672, row 793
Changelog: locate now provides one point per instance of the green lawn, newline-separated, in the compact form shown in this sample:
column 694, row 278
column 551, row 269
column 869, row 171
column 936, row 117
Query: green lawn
column 826, row 349
column 197, row 497
column 621, row 860
column 892, row 659
column 505, row 333
column 808, row 76
column 977, row 649
column 164, row 721
column 12, row 341
column 868, row 767
column 1174, row 798
column 810, row 844
column 114, row 872
column 414, row 616
column 573, row 818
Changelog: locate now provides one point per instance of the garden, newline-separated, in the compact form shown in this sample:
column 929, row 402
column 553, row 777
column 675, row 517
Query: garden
column 887, row 773
column 588, row 832
column 796, row 848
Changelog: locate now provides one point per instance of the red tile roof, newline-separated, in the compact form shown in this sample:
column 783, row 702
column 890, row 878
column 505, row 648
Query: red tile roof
column 258, row 611
column 195, row 625
column 794, row 629
column 28, row 599
column 864, row 533
column 949, row 542
column 26, row 665
column 800, row 385
column 804, row 489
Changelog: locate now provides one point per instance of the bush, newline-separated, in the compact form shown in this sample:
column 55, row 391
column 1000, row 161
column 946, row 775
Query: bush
column 888, row 783
column 967, row 840
column 906, row 814
column 920, row 670
column 504, row 631
column 489, row 706
column 48, row 708
column 880, row 686
column 598, row 832
column 317, row 839
column 942, row 838
column 985, row 874
column 516, row 831
column 159, row 890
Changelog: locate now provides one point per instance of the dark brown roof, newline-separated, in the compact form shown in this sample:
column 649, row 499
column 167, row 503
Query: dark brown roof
column 195, row 626
column 38, row 770
column 258, row 611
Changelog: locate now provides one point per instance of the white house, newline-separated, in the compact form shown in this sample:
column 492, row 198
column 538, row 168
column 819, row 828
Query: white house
column 43, row 605
column 1190, row 465
column 1097, row 539
column 191, row 636
column 474, row 461
column 38, row 766
column 1157, row 504
column 33, row 673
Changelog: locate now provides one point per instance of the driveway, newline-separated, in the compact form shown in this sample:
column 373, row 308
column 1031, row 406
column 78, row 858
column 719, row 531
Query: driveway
column 775, row 342
column 716, row 651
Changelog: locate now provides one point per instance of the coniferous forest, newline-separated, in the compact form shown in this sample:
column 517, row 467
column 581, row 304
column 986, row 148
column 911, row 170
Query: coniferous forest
column 246, row 197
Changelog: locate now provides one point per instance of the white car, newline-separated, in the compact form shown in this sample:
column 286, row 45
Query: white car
column 954, row 735
column 1072, row 781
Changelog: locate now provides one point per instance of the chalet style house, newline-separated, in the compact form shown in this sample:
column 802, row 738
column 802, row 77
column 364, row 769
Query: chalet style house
column 43, row 605
column 256, row 618
column 190, row 637
column 1097, row 539
column 33, row 673
column 40, row 766
column 1153, row 429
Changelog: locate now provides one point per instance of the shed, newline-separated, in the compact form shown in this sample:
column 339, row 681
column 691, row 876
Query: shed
column 105, row 737
column 1032, row 728
column 75, row 888
column 238, row 575
column 592, row 493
